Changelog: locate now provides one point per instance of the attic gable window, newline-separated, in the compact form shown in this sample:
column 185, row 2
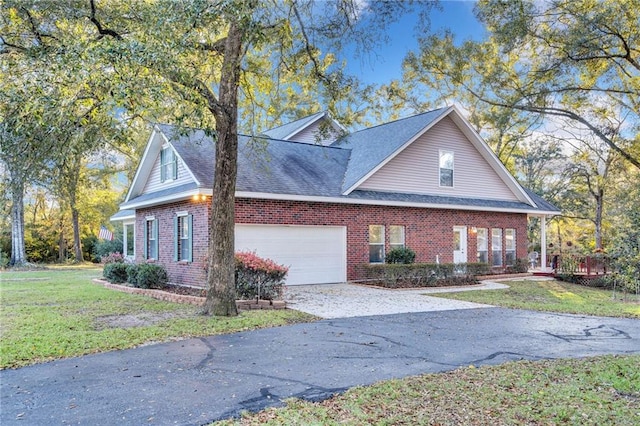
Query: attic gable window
column 446, row 169
column 168, row 165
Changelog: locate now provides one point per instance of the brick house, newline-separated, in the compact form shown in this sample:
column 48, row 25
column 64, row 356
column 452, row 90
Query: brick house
column 325, row 203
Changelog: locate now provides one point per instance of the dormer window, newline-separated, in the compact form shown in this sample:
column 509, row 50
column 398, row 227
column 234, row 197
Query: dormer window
column 446, row 169
column 168, row 165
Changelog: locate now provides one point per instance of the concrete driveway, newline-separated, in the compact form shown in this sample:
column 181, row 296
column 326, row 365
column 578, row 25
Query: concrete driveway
column 196, row 381
column 349, row 300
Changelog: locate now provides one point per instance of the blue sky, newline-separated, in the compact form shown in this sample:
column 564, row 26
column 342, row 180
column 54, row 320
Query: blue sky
column 386, row 63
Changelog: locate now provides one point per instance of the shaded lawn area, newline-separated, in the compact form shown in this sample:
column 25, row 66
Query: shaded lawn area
column 59, row 313
column 552, row 296
column 591, row 391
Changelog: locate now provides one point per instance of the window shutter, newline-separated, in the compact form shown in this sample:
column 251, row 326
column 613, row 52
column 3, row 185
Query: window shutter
column 145, row 241
column 190, row 219
column 155, row 242
column 176, row 237
column 162, row 160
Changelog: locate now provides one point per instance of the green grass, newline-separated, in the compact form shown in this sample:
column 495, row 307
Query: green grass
column 591, row 391
column 59, row 313
column 552, row 296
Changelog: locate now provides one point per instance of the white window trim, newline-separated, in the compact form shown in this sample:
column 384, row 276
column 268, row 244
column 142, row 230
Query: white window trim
column 453, row 172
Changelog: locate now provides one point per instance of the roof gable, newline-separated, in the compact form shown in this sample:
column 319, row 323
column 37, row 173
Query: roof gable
column 317, row 128
column 371, row 148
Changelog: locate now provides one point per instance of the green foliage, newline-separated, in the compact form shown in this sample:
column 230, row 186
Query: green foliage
column 520, row 266
column 395, row 275
column 106, row 247
column 115, row 272
column 150, row 275
column 82, row 317
column 132, row 274
column 258, row 278
column 400, row 255
column 4, row 259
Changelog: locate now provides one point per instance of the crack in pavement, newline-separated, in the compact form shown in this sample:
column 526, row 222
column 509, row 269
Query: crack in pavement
column 593, row 333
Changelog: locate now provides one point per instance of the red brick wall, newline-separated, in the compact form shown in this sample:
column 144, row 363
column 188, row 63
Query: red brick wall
column 429, row 232
column 182, row 273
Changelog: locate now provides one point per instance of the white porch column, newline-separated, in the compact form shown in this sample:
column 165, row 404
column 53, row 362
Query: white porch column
column 543, row 244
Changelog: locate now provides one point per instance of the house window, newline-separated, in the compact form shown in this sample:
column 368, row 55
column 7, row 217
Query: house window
column 496, row 246
column 129, row 240
column 376, row 243
column 168, row 165
column 482, row 246
column 183, row 237
column 151, row 239
column 446, row 169
column 396, row 236
column 510, row 246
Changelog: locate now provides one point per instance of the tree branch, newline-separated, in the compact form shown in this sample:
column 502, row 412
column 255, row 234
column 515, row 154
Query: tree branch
column 101, row 30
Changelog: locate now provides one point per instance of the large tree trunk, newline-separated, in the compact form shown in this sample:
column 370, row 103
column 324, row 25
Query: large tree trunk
column 221, row 296
column 18, row 252
column 77, row 244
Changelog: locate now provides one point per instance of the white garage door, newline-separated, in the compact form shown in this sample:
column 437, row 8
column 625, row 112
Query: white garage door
column 314, row 254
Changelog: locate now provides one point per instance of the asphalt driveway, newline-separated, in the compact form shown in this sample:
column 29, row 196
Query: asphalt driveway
column 196, row 381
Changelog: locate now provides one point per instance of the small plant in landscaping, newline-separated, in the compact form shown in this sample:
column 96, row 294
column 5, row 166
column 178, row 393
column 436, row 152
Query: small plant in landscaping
column 257, row 277
column 115, row 272
column 150, row 275
column 400, row 255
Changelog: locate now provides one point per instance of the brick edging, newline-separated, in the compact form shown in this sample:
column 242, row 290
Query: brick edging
column 243, row 305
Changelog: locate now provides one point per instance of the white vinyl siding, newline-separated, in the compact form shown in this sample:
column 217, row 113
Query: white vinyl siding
column 313, row 135
column 155, row 183
column 415, row 170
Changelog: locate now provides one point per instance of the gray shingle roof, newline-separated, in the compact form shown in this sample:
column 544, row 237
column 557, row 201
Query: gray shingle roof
column 285, row 130
column 283, row 167
column 369, row 147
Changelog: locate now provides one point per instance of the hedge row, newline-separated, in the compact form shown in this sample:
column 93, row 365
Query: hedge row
column 144, row 275
column 425, row 274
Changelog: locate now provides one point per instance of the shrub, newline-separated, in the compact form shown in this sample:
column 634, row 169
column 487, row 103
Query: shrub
column 421, row 274
column 115, row 257
column 115, row 272
column 519, row 266
column 104, row 247
column 151, row 275
column 4, row 260
column 132, row 274
column 258, row 278
column 400, row 255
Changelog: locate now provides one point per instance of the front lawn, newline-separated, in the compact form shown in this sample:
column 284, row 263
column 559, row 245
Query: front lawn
column 552, row 296
column 592, row 391
column 59, row 313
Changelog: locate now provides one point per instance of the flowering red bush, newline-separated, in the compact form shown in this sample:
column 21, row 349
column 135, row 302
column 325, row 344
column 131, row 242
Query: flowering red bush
column 115, row 257
column 257, row 277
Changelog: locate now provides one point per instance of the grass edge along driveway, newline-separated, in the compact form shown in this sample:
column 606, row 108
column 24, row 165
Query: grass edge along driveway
column 60, row 313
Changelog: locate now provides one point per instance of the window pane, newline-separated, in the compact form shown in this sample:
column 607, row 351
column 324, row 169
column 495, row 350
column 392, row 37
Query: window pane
column 376, row 253
column 481, row 237
column 446, row 160
column 510, row 239
column 130, row 239
column 446, row 177
column 396, row 236
column 376, row 234
column 496, row 246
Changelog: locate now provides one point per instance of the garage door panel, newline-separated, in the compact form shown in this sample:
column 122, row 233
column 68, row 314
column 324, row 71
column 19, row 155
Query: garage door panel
column 314, row 254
